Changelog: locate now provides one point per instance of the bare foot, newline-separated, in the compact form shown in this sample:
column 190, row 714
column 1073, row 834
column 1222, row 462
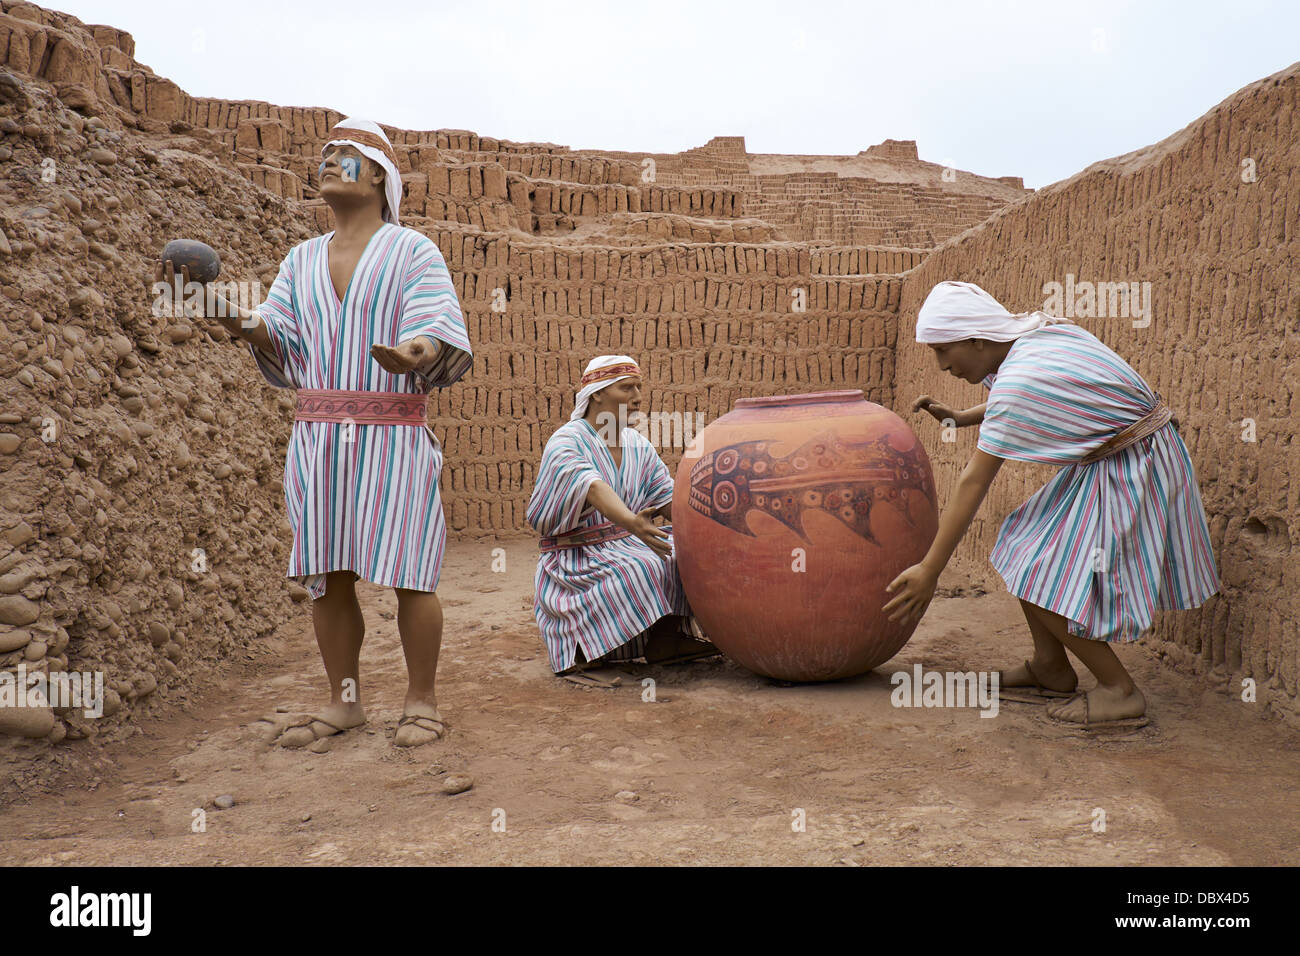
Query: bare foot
column 1060, row 678
column 330, row 720
column 421, row 724
column 1099, row 705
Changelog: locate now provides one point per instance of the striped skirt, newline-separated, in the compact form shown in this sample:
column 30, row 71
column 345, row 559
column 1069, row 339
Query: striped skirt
column 1107, row 544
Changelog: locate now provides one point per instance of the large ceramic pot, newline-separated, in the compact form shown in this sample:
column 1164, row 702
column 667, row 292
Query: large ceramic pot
column 791, row 514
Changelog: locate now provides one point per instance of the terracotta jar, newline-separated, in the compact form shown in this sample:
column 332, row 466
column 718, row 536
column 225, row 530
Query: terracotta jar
column 791, row 514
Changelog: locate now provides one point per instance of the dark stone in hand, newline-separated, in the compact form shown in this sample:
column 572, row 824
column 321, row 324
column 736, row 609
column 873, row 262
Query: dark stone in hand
column 201, row 259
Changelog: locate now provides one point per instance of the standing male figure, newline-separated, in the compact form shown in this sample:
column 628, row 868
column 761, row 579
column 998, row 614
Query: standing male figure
column 363, row 322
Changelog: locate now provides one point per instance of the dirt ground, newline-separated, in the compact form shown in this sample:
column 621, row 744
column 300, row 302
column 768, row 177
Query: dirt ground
column 714, row 771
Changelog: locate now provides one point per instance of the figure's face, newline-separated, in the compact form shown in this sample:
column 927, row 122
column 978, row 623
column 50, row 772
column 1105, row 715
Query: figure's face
column 345, row 173
column 608, row 399
column 970, row 359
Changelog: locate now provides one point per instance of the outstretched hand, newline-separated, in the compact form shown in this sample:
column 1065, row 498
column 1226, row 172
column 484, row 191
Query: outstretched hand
column 915, row 587
column 410, row 355
column 937, row 409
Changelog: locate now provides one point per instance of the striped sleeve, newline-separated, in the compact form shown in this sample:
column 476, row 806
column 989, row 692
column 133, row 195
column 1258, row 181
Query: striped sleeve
column 430, row 308
column 281, row 321
column 563, row 480
column 1025, row 421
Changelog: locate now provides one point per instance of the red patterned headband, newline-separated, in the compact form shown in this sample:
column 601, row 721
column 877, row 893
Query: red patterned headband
column 365, row 138
column 609, row 371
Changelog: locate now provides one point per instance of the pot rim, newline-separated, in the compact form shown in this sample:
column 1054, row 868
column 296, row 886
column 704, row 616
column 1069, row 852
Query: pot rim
column 809, row 398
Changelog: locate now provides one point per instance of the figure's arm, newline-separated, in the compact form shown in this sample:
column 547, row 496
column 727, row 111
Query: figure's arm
column 972, row 487
column 432, row 338
column 244, row 325
column 606, row 500
column 917, row 584
column 945, row 413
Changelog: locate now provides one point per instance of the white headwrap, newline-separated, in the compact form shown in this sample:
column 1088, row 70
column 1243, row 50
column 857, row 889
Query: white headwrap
column 601, row 372
column 374, row 145
column 955, row 311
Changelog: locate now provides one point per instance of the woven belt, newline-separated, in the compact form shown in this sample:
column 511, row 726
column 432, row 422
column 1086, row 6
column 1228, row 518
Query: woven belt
column 362, row 408
column 1145, row 426
column 596, row 534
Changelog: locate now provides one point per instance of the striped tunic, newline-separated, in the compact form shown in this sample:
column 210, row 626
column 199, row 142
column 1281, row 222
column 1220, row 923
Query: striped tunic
column 598, row 597
column 1104, row 544
column 363, row 498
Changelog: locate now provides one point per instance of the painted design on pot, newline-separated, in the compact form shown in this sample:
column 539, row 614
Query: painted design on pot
column 843, row 479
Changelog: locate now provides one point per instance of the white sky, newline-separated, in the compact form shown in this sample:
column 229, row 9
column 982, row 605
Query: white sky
column 1035, row 89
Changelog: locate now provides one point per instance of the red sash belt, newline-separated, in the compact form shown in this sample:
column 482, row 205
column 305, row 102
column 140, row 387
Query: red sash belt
column 361, row 408
column 596, row 534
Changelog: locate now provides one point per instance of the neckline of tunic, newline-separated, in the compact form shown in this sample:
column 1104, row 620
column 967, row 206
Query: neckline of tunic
column 329, row 276
column 618, row 465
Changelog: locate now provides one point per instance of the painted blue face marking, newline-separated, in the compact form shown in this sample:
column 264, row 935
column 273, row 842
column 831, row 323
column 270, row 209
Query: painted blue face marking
column 320, row 171
column 351, row 167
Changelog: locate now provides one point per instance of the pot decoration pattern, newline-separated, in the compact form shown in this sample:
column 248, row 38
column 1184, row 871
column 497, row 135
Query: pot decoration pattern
column 791, row 514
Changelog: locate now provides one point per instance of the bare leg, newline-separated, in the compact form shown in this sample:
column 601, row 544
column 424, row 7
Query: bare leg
column 1050, row 665
column 340, row 630
column 419, row 620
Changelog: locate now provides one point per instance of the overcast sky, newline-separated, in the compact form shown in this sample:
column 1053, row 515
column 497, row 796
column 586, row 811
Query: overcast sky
column 999, row 88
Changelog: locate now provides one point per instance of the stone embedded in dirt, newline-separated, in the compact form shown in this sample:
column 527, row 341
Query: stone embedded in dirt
column 455, row 783
column 143, row 686
column 322, row 746
column 626, row 796
column 224, row 802
column 19, row 535
column 112, row 702
column 26, row 721
column 17, row 610
column 14, row 640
